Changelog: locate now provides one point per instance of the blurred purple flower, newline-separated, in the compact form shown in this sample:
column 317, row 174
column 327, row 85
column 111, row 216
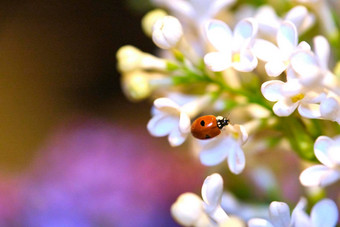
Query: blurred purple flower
column 94, row 173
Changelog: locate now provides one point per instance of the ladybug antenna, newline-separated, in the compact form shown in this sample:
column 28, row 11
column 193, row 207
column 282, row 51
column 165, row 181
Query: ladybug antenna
column 228, row 118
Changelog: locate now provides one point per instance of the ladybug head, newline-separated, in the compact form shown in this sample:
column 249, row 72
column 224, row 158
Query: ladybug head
column 222, row 121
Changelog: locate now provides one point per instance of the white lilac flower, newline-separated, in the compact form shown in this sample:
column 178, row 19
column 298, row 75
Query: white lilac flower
column 278, row 57
column 233, row 49
column 190, row 210
column 194, row 11
column 130, row 58
column 328, row 108
column 269, row 22
column 324, row 13
column 173, row 119
column 312, row 67
column 167, row 32
column 323, row 214
column 327, row 152
column 192, row 14
column 289, row 96
column 227, row 145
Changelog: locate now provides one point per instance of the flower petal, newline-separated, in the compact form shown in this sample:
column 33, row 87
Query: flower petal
column 161, row 125
column 297, row 15
column 244, row 31
column 215, row 151
column 247, row 63
column 322, row 147
column 176, row 138
column 218, row 61
column 219, row 35
column 259, row 222
column 267, row 19
column 165, row 104
column 291, row 87
column 287, row 38
column 314, row 97
column 236, row 159
column 334, row 153
column 180, row 8
column 324, row 213
column 318, row 175
column 271, row 90
column 275, row 67
column 330, row 108
column 309, row 110
column 216, row 6
column 306, row 65
column 265, row 50
column 284, row 107
column 184, row 123
column 212, row 190
column 181, row 99
column 322, row 50
column 299, row 217
column 301, row 205
column 240, row 130
column 291, row 74
column 279, row 214
column 302, row 59
column 304, row 46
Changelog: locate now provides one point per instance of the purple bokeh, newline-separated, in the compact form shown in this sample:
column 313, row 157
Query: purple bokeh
column 94, row 173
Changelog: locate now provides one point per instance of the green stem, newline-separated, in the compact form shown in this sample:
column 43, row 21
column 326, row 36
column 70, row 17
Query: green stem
column 298, row 137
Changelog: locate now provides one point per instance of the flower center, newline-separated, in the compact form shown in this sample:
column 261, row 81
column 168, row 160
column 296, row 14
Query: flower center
column 297, row 97
column 286, row 63
column 236, row 57
column 235, row 135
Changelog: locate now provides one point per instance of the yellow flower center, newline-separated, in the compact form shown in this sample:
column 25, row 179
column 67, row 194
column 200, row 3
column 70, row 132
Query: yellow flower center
column 297, row 97
column 286, row 62
column 236, row 57
column 235, row 135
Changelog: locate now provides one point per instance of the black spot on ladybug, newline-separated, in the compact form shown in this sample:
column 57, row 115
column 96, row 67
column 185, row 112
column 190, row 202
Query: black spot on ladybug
column 202, row 123
column 207, row 136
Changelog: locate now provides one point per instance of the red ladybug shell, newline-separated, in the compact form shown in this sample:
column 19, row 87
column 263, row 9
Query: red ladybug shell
column 205, row 127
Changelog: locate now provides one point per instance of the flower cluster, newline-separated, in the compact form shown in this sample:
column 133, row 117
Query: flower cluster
column 272, row 75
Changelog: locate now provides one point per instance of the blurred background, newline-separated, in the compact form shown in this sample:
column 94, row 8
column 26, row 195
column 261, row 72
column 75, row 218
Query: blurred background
column 73, row 150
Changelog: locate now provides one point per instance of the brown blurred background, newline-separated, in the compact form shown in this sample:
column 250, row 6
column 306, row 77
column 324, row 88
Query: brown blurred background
column 57, row 59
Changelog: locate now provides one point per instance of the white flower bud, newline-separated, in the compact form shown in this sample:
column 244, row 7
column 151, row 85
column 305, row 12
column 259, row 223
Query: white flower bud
column 150, row 19
column 167, row 32
column 135, row 85
column 128, row 58
column 131, row 58
column 187, row 209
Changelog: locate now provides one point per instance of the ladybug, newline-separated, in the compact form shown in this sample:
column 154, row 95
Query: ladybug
column 208, row 126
